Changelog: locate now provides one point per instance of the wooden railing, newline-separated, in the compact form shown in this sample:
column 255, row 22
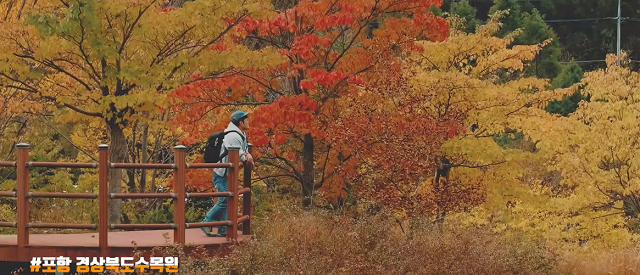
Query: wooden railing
column 179, row 195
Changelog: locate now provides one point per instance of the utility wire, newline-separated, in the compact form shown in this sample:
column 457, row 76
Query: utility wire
column 584, row 61
column 580, row 20
column 591, row 19
column 594, row 61
column 618, row 18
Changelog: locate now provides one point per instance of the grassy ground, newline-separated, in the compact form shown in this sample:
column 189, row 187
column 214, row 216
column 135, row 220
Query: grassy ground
column 320, row 243
column 294, row 241
column 626, row 261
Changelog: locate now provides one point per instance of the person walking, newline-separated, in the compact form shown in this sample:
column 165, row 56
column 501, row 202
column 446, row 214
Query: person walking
column 236, row 137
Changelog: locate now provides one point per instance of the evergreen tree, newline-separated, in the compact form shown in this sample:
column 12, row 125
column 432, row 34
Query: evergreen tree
column 466, row 11
column 535, row 30
column 512, row 20
column 547, row 63
column 570, row 74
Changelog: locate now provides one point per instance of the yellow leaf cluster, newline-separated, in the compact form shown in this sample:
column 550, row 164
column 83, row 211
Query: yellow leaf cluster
column 549, row 185
column 104, row 58
column 600, row 154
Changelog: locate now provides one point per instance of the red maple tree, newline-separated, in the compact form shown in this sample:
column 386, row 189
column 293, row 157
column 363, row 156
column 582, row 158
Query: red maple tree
column 303, row 126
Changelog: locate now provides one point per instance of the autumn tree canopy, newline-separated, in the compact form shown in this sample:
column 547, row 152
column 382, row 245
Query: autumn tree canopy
column 453, row 98
column 114, row 61
column 598, row 156
column 389, row 103
column 329, row 50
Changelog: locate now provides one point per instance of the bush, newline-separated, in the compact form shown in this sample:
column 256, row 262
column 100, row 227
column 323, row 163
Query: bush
column 625, row 261
column 317, row 243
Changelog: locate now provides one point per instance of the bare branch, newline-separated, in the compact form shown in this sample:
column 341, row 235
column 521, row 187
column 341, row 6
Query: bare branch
column 126, row 35
column 478, row 166
column 66, row 138
column 52, row 99
column 51, row 64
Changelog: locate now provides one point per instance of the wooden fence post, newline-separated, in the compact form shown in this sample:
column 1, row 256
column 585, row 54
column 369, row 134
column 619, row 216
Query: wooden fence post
column 232, row 202
column 246, row 199
column 179, row 205
column 22, row 188
column 103, row 198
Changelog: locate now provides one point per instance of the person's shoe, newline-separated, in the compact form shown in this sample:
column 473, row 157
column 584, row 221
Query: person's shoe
column 222, row 232
column 206, row 230
column 219, row 235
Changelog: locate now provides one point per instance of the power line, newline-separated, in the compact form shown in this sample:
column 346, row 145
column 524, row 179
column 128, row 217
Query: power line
column 618, row 42
column 591, row 19
column 579, row 20
column 585, row 61
column 594, row 61
column 618, row 18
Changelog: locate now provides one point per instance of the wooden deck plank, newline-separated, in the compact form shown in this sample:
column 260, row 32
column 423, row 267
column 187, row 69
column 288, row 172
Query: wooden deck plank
column 146, row 238
column 120, row 244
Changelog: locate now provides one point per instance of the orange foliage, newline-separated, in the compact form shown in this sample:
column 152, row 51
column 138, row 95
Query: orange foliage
column 333, row 50
column 385, row 127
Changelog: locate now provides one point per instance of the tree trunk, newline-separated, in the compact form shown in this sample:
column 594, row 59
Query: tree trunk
column 308, row 179
column 154, row 174
column 156, row 157
column 130, row 173
column 145, row 144
column 117, row 153
column 631, row 205
column 131, row 158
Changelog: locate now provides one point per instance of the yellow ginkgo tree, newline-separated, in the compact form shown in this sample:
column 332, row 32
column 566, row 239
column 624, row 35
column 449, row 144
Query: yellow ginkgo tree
column 477, row 79
column 602, row 156
column 586, row 193
column 573, row 180
column 115, row 61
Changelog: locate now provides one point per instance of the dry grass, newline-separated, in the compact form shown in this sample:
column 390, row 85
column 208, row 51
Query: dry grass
column 317, row 243
column 312, row 243
column 623, row 262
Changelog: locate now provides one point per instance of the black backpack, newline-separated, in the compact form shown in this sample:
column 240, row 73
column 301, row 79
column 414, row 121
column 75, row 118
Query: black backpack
column 213, row 146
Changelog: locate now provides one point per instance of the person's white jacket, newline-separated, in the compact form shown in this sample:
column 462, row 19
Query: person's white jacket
column 232, row 139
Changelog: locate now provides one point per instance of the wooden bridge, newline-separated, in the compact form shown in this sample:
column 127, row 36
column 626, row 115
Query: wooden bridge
column 22, row 247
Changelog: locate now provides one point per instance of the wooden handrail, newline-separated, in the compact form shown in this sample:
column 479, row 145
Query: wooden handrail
column 7, row 164
column 143, row 226
column 8, row 224
column 62, row 225
column 199, row 165
column 246, row 198
column 180, row 204
column 142, row 166
column 103, row 198
column 244, row 218
column 244, row 190
column 208, row 224
column 7, row 193
column 61, row 195
column 142, row 195
column 209, row 194
column 232, row 202
column 179, row 167
column 61, row 164
column 22, row 188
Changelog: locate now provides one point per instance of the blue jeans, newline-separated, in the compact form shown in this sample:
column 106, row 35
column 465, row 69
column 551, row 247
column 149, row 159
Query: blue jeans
column 219, row 211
